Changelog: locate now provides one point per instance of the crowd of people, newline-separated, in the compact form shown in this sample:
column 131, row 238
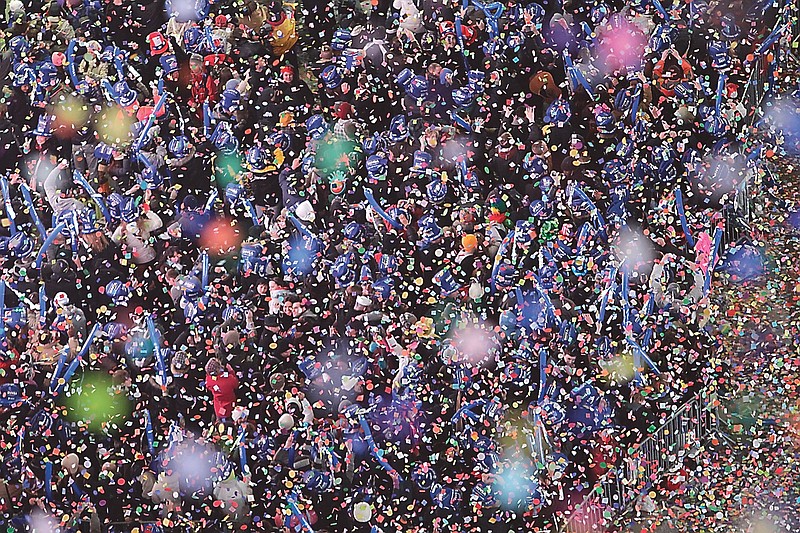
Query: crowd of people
column 333, row 267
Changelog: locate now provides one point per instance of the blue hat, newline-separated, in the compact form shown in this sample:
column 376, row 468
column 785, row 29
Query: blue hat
column 539, row 208
column 48, row 74
column 716, row 124
column 374, row 143
column 281, row 140
column 87, row 221
column 248, row 256
column 546, row 183
column 534, row 164
column 614, row 172
column 115, row 330
column 424, row 475
column 624, row 100
column 192, row 39
column 179, row 146
column 191, row 286
column 730, row 30
column 169, row 63
column 331, row 77
column 436, row 190
column 398, row 213
column 446, row 282
column 606, row 123
column 464, row 97
column 341, row 39
column 558, row 113
column 20, row 245
column 233, row 191
column 446, row 76
column 256, row 160
column 515, row 40
column 15, row 318
column 19, row 46
column 697, row 8
column 624, row 148
column 506, row 276
column 103, row 152
column 398, row 128
column 125, row 95
column 383, row 287
column 446, row 497
column 404, row 78
column 475, row 79
column 23, row 75
column 377, row 168
column 310, row 368
column 661, row 39
column 118, row 291
column 224, row 140
column 114, row 201
column 429, row 230
column 718, row 52
column 10, row 394
column 365, row 274
column 152, row 177
column 342, row 270
column 421, row 160
column 229, row 101
column 232, row 312
column 353, row 231
column 316, row 126
column 387, row 264
column 537, row 13
column 318, row 481
column 307, row 163
column 417, row 88
column 685, row 91
column 128, row 210
column 44, row 128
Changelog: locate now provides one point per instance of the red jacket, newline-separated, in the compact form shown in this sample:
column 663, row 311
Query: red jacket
column 223, row 387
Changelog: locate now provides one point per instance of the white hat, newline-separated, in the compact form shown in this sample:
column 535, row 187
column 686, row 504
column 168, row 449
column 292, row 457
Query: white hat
column 16, row 6
column 362, row 512
column 363, row 301
column 305, row 211
column 286, row 421
column 61, row 299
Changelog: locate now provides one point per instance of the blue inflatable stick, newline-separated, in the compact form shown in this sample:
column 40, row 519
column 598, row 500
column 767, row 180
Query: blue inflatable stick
column 47, row 243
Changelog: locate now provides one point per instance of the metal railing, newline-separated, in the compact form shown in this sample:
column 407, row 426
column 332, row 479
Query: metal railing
column 663, row 450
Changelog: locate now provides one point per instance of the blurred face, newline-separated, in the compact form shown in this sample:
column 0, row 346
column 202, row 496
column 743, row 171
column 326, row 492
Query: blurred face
column 287, row 76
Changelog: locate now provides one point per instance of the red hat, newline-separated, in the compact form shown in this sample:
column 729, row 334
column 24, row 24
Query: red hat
column 214, row 59
column 158, row 43
column 221, row 21
column 287, row 68
column 342, row 110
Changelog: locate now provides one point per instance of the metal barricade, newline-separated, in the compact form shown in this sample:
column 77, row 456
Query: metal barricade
column 663, row 450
